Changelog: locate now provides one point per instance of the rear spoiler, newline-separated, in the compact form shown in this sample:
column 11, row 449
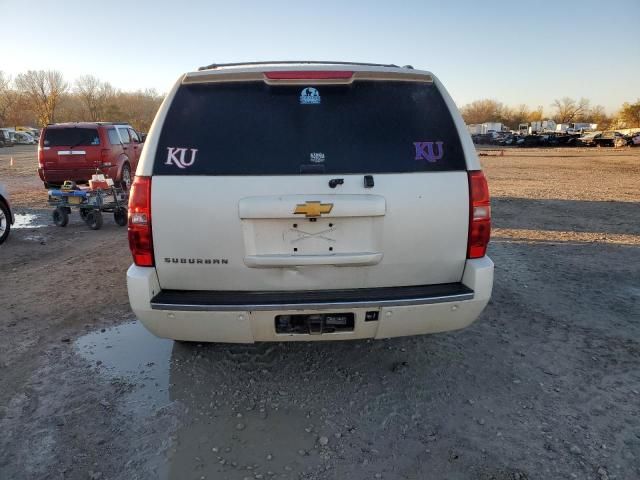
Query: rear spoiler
column 303, row 76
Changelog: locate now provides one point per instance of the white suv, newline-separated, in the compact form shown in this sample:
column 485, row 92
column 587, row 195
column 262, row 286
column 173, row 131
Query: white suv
column 6, row 216
column 308, row 201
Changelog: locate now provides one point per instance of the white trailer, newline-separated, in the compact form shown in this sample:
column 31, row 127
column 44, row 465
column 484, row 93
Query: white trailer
column 542, row 126
column 489, row 127
column 582, row 127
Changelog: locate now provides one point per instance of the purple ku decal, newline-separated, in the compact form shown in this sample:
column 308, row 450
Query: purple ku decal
column 425, row 151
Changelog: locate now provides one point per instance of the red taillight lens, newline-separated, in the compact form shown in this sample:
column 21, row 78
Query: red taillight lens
column 104, row 157
column 308, row 75
column 479, row 215
column 40, row 157
column 140, row 239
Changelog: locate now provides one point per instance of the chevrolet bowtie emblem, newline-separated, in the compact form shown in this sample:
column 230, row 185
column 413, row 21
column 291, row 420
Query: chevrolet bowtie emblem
column 313, row 209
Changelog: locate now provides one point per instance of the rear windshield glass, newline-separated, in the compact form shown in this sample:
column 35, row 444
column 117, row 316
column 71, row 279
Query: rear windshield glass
column 256, row 129
column 71, row 137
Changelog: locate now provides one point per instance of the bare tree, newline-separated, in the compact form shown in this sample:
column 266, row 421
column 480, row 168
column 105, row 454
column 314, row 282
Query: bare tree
column 5, row 82
column 137, row 108
column 597, row 114
column 95, row 95
column 7, row 98
column 87, row 87
column 43, row 90
column 569, row 110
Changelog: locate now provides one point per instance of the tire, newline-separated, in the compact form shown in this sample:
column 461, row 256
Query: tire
column 94, row 219
column 60, row 217
column 5, row 222
column 120, row 216
column 125, row 178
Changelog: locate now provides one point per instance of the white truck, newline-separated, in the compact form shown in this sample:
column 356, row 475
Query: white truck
column 491, row 127
column 579, row 127
column 308, row 201
column 6, row 216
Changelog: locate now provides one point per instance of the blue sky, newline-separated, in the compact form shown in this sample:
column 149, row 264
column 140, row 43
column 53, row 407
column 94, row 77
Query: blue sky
column 511, row 51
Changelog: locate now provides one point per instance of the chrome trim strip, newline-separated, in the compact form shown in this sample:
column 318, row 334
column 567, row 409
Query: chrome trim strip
column 314, row 306
column 71, row 152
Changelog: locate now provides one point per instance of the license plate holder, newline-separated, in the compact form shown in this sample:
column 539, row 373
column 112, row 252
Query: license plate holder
column 315, row 323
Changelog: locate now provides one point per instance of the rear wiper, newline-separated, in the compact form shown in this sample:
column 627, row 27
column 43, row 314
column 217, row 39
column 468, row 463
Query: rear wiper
column 77, row 144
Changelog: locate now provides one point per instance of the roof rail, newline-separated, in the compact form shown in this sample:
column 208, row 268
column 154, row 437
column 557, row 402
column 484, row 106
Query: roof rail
column 285, row 62
column 90, row 121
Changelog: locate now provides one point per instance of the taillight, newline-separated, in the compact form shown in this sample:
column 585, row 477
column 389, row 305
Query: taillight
column 40, row 157
column 140, row 239
column 308, row 75
column 104, row 157
column 479, row 215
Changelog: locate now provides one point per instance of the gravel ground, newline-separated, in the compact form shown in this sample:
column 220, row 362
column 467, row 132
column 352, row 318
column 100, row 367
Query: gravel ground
column 545, row 385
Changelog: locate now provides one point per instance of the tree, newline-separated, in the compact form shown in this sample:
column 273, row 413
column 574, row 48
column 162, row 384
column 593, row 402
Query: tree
column 7, row 98
column 137, row 108
column 43, row 90
column 95, row 95
column 630, row 114
column 569, row 110
column 481, row 111
column 513, row 117
column 597, row 114
column 537, row 115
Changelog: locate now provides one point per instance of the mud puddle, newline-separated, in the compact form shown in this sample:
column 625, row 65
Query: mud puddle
column 129, row 353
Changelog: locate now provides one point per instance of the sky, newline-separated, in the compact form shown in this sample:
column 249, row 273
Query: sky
column 515, row 52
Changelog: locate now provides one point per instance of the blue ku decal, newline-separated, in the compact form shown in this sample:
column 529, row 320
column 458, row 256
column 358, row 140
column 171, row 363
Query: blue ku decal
column 429, row 151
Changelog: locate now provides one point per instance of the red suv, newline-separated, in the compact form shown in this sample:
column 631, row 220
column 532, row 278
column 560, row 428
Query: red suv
column 75, row 151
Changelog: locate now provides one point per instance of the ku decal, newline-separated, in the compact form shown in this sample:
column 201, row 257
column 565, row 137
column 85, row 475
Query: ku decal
column 309, row 96
column 316, row 157
column 426, row 151
column 178, row 156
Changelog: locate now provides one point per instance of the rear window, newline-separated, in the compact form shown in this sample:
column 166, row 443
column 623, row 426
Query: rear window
column 256, row 129
column 71, row 137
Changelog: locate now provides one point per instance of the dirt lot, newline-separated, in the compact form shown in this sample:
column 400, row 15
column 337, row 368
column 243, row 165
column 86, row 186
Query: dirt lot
column 545, row 385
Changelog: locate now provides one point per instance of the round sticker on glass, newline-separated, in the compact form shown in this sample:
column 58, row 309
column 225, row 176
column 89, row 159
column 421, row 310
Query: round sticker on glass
column 309, row 96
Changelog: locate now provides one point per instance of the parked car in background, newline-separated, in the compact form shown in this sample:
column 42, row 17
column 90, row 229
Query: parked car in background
column 588, row 139
column 6, row 216
column 34, row 132
column 23, row 138
column 634, row 139
column 300, row 240
column 610, row 139
column 75, row 151
column 5, row 138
